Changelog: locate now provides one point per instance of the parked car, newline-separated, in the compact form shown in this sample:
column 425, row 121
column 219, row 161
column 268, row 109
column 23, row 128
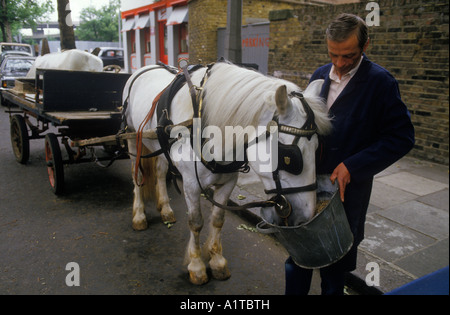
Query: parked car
column 9, row 47
column 11, row 68
column 8, row 53
column 111, row 56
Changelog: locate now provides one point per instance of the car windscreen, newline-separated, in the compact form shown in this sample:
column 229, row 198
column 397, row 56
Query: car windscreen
column 17, row 65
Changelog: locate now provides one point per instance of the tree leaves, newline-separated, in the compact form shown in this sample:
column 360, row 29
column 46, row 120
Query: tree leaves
column 100, row 24
column 16, row 14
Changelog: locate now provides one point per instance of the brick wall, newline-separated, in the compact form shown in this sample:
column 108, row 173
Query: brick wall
column 411, row 42
column 206, row 16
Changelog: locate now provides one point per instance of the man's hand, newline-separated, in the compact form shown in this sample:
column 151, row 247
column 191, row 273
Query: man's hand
column 342, row 174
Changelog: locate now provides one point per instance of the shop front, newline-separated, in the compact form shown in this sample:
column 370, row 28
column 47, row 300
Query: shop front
column 154, row 32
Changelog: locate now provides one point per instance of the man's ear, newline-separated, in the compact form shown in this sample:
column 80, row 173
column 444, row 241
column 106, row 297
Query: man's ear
column 366, row 45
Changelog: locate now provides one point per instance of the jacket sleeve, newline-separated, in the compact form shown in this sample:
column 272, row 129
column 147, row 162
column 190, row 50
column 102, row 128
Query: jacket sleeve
column 393, row 138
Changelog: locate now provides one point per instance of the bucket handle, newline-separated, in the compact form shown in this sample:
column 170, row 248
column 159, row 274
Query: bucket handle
column 260, row 227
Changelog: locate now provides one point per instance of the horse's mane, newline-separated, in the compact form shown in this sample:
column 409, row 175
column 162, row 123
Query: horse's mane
column 236, row 96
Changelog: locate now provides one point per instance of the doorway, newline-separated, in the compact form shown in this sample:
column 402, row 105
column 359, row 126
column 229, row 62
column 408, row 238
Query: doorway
column 163, row 51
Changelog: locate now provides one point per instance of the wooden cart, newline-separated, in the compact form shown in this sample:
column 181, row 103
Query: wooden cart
column 81, row 105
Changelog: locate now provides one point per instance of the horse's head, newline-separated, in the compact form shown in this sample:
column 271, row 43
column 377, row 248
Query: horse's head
column 291, row 180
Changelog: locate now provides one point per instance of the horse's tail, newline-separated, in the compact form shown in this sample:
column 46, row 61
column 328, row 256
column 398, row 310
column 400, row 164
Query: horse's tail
column 148, row 167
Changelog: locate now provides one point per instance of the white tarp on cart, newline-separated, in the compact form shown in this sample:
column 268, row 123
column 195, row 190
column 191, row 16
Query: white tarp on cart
column 74, row 59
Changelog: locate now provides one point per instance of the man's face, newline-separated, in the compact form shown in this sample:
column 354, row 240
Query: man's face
column 345, row 55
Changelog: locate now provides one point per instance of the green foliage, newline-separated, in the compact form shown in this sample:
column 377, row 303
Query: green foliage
column 100, row 24
column 16, row 14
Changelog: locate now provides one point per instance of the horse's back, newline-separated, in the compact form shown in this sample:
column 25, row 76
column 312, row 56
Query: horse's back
column 141, row 89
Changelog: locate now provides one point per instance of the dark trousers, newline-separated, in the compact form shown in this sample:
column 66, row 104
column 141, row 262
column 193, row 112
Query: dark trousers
column 298, row 279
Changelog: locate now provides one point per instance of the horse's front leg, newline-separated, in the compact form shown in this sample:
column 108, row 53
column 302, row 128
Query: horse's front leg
column 162, row 197
column 139, row 220
column 196, row 266
column 217, row 263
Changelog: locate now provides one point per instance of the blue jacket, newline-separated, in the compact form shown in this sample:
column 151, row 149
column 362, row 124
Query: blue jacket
column 372, row 129
column 372, row 126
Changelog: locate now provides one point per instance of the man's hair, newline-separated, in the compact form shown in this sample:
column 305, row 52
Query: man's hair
column 345, row 25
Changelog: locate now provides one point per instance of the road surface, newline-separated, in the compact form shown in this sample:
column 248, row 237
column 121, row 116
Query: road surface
column 40, row 234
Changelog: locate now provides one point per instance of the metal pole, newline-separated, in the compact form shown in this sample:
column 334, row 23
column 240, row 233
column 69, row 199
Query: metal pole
column 120, row 29
column 233, row 45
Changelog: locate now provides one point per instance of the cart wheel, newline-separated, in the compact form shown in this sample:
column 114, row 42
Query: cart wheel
column 54, row 162
column 19, row 139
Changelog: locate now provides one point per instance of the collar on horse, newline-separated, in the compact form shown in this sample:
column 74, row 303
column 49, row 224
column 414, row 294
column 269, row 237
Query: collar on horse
column 197, row 96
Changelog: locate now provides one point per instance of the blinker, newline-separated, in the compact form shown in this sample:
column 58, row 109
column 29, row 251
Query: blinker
column 290, row 158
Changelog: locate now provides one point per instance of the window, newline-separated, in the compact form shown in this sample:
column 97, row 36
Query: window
column 184, row 38
column 148, row 49
column 12, row 47
column 133, row 42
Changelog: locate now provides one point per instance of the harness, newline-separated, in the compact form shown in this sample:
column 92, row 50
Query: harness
column 161, row 104
column 163, row 117
column 198, row 105
column 290, row 158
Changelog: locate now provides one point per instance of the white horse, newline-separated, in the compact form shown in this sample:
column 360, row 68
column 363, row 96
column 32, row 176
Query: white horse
column 232, row 96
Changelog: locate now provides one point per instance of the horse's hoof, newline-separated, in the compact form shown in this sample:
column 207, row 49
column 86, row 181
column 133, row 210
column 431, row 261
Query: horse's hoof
column 222, row 274
column 140, row 225
column 219, row 268
column 168, row 217
column 197, row 272
column 198, row 279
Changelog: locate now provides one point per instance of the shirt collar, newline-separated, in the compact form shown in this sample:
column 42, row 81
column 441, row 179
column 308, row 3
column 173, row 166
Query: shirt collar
column 351, row 73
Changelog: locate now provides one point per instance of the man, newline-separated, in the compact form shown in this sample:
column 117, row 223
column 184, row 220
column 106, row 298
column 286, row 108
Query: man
column 372, row 129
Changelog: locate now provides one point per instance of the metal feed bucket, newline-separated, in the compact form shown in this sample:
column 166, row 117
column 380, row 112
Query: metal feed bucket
column 323, row 240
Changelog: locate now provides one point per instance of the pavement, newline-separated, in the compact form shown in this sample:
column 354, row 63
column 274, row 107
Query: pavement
column 406, row 231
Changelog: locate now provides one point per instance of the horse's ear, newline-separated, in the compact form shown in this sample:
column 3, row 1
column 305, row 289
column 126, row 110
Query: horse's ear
column 281, row 99
column 314, row 87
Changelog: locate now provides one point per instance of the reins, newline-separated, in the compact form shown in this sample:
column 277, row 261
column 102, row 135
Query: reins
column 139, row 143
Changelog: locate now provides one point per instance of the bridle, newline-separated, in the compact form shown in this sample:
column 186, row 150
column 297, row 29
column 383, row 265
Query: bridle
column 290, row 158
